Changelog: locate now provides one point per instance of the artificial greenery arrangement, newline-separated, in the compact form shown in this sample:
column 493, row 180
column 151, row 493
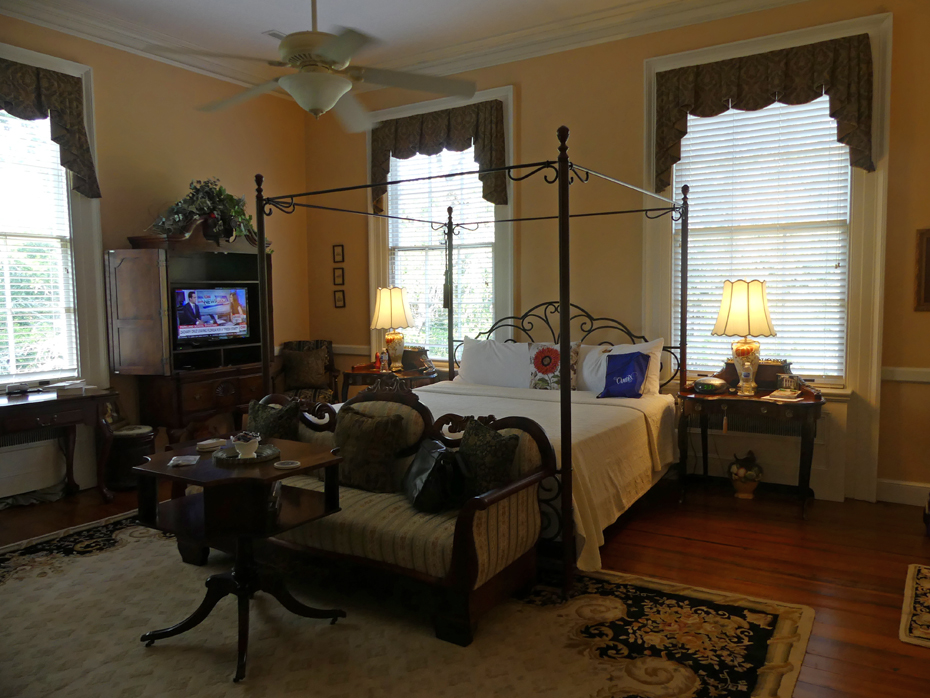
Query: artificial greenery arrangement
column 222, row 213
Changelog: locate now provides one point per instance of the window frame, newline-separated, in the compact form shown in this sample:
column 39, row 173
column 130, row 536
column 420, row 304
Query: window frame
column 86, row 237
column 378, row 254
column 822, row 381
column 867, row 225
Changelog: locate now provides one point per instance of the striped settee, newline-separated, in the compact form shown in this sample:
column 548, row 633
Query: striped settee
column 473, row 557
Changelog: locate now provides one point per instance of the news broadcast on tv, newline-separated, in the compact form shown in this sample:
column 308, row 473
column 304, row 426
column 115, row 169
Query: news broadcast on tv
column 216, row 313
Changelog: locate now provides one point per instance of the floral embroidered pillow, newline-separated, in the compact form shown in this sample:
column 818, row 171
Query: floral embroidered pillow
column 545, row 362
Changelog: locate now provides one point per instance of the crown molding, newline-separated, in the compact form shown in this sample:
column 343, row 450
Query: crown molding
column 71, row 18
column 632, row 19
column 612, row 24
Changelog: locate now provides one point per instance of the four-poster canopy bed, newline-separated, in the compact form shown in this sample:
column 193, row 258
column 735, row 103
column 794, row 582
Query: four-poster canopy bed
column 563, row 173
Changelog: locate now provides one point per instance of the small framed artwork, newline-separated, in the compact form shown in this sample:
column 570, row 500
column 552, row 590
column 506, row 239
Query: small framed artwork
column 339, row 254
column 923, row 270
column 339, row 276
column 339, row 299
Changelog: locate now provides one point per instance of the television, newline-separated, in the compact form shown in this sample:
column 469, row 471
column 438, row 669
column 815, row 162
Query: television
column 210, row 314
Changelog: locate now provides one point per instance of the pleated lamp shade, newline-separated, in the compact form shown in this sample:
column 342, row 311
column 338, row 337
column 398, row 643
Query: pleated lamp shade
column 391, row 310
column 744, row 310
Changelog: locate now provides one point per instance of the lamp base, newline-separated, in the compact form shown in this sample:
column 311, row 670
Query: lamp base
column 746, row 360
column 395, row 349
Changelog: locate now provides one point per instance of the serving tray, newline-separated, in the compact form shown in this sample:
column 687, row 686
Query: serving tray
column 229, row 456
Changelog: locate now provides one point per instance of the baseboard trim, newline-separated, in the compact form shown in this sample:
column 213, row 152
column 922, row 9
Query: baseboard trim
column 903, row 492
column 906, row 374
column 351, row 349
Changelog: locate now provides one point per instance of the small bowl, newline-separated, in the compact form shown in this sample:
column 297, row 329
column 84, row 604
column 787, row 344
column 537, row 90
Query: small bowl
column 246, row 449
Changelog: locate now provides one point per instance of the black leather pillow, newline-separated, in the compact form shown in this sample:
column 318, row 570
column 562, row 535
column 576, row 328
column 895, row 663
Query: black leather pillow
column 488, row 455
column 274, row 421
column 368, row 446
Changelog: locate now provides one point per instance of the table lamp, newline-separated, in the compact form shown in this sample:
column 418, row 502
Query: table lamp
column 391, row 313
column 744, row 312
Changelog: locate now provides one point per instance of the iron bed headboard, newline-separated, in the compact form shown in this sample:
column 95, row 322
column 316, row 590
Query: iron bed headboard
column 544, row 318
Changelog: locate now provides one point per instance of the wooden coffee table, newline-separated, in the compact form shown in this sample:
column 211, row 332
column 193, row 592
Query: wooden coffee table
column 235, row 505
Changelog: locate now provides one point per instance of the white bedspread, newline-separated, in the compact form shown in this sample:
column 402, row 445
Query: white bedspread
column 619, row 445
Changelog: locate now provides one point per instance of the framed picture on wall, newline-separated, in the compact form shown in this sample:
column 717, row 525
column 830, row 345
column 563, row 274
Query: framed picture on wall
column 339, row 276
column 339, row 299
column 339, row 255
column 923, row 270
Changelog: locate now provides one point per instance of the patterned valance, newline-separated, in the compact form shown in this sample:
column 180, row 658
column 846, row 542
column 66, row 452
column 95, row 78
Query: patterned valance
column 449, row 129
column 31, row 93
column 841, row 68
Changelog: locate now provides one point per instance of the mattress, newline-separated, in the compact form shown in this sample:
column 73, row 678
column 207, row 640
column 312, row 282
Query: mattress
column 620, row 446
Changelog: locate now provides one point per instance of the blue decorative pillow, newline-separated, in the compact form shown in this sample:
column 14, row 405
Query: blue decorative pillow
column 626, row 374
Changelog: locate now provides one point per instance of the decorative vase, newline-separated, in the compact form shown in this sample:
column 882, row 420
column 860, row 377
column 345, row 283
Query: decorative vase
column 745, row 488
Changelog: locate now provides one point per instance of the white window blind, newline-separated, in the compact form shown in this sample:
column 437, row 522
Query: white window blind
column 417, row 253
column 38, row 331
column 769, row 201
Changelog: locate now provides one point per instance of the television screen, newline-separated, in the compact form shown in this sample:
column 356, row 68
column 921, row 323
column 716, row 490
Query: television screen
column 211, row 313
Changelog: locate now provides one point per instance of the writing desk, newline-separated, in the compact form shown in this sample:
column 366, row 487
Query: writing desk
column 40, row 416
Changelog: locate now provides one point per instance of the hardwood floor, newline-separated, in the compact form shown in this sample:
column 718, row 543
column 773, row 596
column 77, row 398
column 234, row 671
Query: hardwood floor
column 23, row 523
column 848, row 561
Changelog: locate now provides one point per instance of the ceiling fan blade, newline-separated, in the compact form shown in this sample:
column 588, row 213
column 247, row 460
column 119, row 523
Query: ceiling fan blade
column 166, row 51
column 343, row 46
column 415, row 81
column 244, row 96
column 352, row 115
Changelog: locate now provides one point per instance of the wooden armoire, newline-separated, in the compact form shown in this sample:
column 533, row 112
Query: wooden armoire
column 179, row 383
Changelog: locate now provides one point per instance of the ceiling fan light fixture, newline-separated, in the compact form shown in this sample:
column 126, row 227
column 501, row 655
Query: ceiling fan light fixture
column 315, row 91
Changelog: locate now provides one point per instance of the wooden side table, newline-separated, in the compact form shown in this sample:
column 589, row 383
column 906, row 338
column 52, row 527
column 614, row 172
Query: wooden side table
column 234, row 505
column 364, row 374
column 804, row 412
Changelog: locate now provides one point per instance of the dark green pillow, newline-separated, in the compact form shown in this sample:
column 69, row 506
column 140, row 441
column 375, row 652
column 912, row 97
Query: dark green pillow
column 368, row 446
column 274, row 421
column 488, row 456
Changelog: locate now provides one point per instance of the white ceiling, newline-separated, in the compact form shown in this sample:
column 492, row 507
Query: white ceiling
column 435, row 36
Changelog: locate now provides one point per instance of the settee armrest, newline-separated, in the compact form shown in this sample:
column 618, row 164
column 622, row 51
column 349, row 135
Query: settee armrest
column 483, row 501
column 319, row 417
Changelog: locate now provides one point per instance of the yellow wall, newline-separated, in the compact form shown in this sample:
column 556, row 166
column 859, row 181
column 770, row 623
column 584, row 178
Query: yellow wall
column 598, row 92
column 151, row 142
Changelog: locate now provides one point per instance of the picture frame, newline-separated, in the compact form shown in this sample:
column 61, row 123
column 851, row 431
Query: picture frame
column 339, row 299
column 922, row 290
column 339, row 254
column 339, row 276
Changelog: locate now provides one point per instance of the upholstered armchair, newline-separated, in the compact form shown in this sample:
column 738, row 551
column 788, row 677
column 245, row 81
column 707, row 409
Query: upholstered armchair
column 309, row 376
column 474, row 556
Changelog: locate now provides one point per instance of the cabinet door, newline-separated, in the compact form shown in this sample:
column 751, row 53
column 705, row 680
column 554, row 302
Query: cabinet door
column 137, row 310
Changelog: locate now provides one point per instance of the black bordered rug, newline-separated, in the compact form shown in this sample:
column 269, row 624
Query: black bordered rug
column 89, row 595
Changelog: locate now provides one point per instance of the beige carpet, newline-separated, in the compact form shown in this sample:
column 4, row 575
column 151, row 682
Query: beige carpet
column 71, row 617
column 915, row 614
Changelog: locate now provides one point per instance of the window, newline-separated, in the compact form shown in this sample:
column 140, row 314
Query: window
column 417, row 253
column 38, row 329
column 770, row 200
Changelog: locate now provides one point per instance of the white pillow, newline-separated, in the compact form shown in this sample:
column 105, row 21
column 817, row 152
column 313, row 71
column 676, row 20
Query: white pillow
column 489, row 362
column 592, row 364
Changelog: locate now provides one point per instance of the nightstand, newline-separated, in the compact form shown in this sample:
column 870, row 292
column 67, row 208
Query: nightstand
column 802, row 415
column 366, row 374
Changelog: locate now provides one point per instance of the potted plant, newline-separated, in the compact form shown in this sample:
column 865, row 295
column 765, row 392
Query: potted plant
column 208, row 205
column 746, row 474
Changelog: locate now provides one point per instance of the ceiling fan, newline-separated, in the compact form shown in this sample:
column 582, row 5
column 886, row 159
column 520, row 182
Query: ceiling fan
column 324, row 77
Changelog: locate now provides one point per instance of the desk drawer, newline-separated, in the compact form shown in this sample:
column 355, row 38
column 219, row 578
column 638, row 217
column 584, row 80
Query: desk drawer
column 40, row 421
column 747, row 408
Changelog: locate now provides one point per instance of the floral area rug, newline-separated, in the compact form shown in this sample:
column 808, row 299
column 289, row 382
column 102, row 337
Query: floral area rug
column 73, row 609
column 915, row 614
